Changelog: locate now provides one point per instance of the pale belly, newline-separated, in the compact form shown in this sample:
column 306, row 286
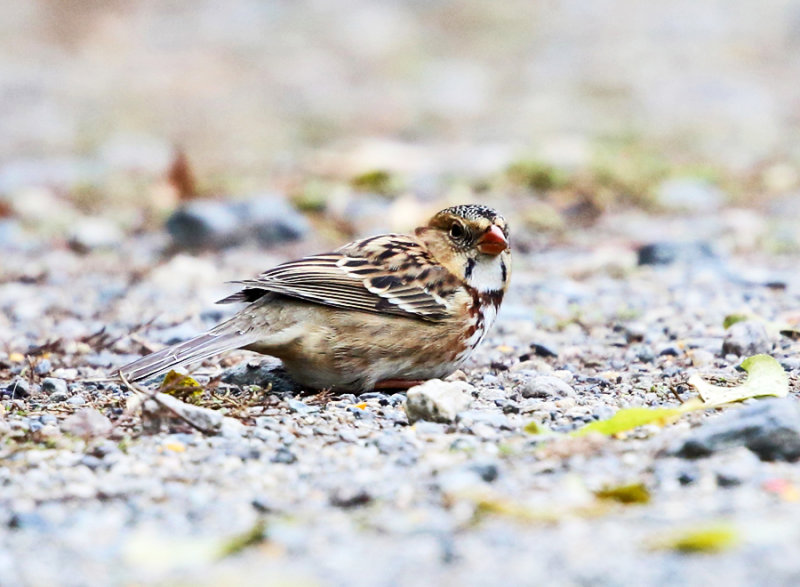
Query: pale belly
column 353, row 351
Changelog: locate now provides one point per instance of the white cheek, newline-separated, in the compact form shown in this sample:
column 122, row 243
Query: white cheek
column 487, row 275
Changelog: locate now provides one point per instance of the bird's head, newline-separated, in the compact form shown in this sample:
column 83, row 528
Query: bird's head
column 472, row 242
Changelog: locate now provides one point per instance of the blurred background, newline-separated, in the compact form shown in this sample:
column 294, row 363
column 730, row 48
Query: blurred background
column 121, row 109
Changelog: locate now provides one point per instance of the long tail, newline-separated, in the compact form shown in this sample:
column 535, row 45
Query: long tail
column 195, row 349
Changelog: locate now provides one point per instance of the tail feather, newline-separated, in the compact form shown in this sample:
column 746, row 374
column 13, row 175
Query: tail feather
column 193, row 350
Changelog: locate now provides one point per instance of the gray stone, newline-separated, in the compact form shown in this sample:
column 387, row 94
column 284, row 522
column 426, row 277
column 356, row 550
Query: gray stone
column 86, row 423
column 19, row 388
column 268, row 219
column 469, row 418
column 437, row 400
column 267, row 374
column 667, row 253
column 56, row 388
column 301, row 408
column 746, row 338
column 205, row 224
column 205, row 420
column 272, row 220
column 43, row 367
column 546, row 386
column 689, row 194
column 769, row 427
column 92, row 233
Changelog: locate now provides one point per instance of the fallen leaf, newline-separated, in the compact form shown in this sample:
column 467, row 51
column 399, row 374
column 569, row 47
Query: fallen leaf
column 181, row 386
column 253, row 536
column 631, row 493
column 732, row 319
column 711, row 538
column 628, row 419
column 765, row 377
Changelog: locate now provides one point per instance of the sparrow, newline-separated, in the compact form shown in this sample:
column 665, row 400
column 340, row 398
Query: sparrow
column 384, row 312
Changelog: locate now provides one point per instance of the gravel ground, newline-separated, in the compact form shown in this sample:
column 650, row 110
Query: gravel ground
column 300, row 488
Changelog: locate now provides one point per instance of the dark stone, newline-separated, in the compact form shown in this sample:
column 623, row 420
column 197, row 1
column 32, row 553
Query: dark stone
column 350, row 497
column 770, row 428
column 19, row 388
column 284, row 455
column 542, row 350
column 666, row 253
column 268, row 219
column 487, row 471
column 201, row 224
column 268, row 374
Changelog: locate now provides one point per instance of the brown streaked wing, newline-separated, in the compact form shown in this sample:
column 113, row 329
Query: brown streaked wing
column 380, row 274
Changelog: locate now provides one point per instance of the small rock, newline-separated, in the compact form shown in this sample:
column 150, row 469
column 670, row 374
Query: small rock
column 43, row 367
column 272, row 220
column 350, row 497
column 437, row 400
column 205, row 420
column 666, row 253
column 487, row 471
column 94, row 233
column 769, row 427
column 299, row 407
column 702, row 358
column 469, row 418
column 267, row 374
column 19, row 388
column 689, row 194
column 269, row 219
column 86, row 423
column 546, row 386
column 54, row 386
column 77, row 400
column 746, row 338
column 284, row 455
column 203, row 223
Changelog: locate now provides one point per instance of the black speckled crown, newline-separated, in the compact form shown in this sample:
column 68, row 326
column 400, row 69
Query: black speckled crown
column 471, row 211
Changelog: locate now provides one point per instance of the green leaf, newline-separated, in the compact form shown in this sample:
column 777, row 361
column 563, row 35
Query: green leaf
column 711, row 538
column 253, row 536
column 732, row 319
column 628, row 419
column 632, row 493
column 534, row 427
column 765, row 376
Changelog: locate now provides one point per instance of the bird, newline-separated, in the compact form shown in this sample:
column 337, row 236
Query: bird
column 384, row 312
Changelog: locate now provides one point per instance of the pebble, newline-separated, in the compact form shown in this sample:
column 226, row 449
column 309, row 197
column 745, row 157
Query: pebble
column 301, row 408
column 86, row 423
column 768, row 427
column 437, row 400
column 267, row 374
column 284, row 456
column 688, row 194
column 667, row 253
column 88, row 234
column 43, row 367
column 546, row 387
column 19, row 388
column 746, row 338
column 267, row 219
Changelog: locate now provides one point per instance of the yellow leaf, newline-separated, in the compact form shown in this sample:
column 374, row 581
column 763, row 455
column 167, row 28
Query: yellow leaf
column 175, row 447
column 632, row 493
column 710, row 538
column 628, row 419
column 362, row 406
column 181, row 386
column 765, row 376
column 16, row 357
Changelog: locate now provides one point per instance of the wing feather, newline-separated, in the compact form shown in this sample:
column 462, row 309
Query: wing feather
column 391, row 274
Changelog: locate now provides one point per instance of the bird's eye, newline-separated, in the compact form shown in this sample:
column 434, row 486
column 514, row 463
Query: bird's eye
column 456, row 230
